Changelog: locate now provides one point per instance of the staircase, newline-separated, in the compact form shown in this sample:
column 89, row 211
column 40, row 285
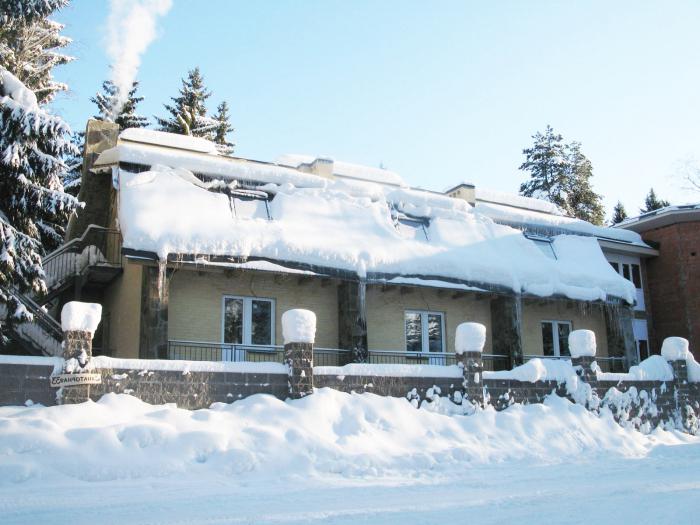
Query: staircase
column 94, row 258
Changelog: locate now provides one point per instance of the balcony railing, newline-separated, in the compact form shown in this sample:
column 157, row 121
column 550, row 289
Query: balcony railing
column 210, row 351
column 98, row 246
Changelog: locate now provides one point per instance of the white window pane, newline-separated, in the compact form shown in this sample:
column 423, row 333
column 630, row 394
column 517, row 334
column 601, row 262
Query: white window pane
column 250, row 208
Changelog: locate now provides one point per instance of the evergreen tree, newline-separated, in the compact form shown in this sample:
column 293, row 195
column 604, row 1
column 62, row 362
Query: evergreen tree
column 581, row 201
column 30, row 44
column 560, row 173
column 188, row 113
column 33, row 205
column 652, row 202
column 223, row 129
column 619, row 213
column 547, row 164
column 127, row 117
column 74, row 164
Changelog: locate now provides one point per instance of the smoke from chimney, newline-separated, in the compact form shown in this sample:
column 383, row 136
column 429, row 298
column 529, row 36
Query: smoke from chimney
column 131, row 27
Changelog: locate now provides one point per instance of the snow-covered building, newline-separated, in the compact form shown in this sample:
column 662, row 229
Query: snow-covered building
column 195, row 255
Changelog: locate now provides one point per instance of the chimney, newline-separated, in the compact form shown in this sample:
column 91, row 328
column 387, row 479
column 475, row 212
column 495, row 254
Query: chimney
column 323, row 167
column 95, row 188
column 464, row 191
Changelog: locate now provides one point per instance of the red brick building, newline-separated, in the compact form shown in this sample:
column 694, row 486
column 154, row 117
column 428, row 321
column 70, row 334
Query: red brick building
column 674, row 276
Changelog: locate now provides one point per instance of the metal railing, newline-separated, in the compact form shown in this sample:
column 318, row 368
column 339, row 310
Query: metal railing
column 43, row 334
column 210, row 351
column 491, row 362
column 97, row 246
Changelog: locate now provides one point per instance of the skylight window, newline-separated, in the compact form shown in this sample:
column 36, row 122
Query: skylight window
column 410, row 227
column 249, row 204
column 544, row 243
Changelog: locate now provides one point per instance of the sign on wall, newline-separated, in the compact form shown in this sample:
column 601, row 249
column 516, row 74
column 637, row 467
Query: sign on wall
column 60, row 380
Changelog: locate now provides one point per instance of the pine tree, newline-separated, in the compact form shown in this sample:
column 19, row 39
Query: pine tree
column 560, row 173
column 33, row 205
column 619, row 213
column 223, row 129
column 581, row 201
column 652, row 202
column 188, row 114
column 73, row 160
column 127, row 117
column 547, row 164
column 30, row 44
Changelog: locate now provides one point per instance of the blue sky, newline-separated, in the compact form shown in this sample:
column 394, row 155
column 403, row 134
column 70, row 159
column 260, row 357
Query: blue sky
column 439, row 91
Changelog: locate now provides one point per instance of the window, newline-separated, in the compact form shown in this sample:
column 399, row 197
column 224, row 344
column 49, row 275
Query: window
column 543, row 242
column 410, row 227
column 249, row 204
column 626, row 271
column 249, row 321
column 555, row 338
column 636, row 277
column 424, row 331
column 615, row 266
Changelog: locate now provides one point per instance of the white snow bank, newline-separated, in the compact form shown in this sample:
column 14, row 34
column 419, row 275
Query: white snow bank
column 299, row 326
column 349, row 226
column 389, row 370
column 582, row 343
column 512, row 215
column 12, row 87
column 170, row 140
column 470, row 337
column 76, row 315
column 674, row 348
column 559, row 370
column 653, row 368
column 34, row 360
column 100, row 362
column 329, row 433
column 518, row 201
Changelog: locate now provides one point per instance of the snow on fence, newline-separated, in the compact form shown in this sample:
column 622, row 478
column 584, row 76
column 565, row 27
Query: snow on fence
column 662, row 390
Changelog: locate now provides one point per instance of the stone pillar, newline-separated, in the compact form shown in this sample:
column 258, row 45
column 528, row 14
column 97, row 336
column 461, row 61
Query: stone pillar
column 299, row 332
column 582, row 346
column 619, row 331
column 675, row 351
column 155, row 294
column 77, row 344
column 469, row 344
column 352, row 319
column 506, row 328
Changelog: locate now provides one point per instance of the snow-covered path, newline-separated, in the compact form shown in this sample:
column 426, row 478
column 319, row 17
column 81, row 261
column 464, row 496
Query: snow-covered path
column 587, row 479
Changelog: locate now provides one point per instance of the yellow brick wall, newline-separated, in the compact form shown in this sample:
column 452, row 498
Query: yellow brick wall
column 534, row 312
column 123, row 304
column 385, row 314
column 195, row 308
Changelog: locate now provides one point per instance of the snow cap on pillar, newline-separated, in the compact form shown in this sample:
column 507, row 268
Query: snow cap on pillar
column 298, row 326
column 674, row 348
column 80, row 317
column 582, row 343
column 470, row 337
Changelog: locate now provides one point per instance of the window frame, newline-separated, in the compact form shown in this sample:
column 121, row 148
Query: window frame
column 555, row 336
column 247, row 329
column 425, row 341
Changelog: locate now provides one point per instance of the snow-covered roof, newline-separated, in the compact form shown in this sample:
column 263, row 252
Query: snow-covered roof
column 516, row 201
column 346, row 169
column 375, row 231
column 662, row 217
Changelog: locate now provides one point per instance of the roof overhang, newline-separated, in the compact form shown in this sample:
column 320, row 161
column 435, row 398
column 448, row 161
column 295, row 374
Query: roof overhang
column 627, row 248
column 662, row 218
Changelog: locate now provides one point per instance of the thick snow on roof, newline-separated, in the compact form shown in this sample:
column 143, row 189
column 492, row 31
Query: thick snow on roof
column 346, row 169
column 518, row 216
column 170, row 140
column 348, row 225
column 518, row 201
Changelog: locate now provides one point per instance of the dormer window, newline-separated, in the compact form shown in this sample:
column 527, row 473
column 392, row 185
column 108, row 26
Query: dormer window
column 410, row 226
column 249, row 204
column 543, row 242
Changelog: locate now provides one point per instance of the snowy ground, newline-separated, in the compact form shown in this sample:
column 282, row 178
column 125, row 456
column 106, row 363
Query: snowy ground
column 338, row 458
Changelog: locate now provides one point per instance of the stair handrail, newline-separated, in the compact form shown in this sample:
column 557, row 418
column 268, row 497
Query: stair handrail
column 78, row 240
column 41, row 318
